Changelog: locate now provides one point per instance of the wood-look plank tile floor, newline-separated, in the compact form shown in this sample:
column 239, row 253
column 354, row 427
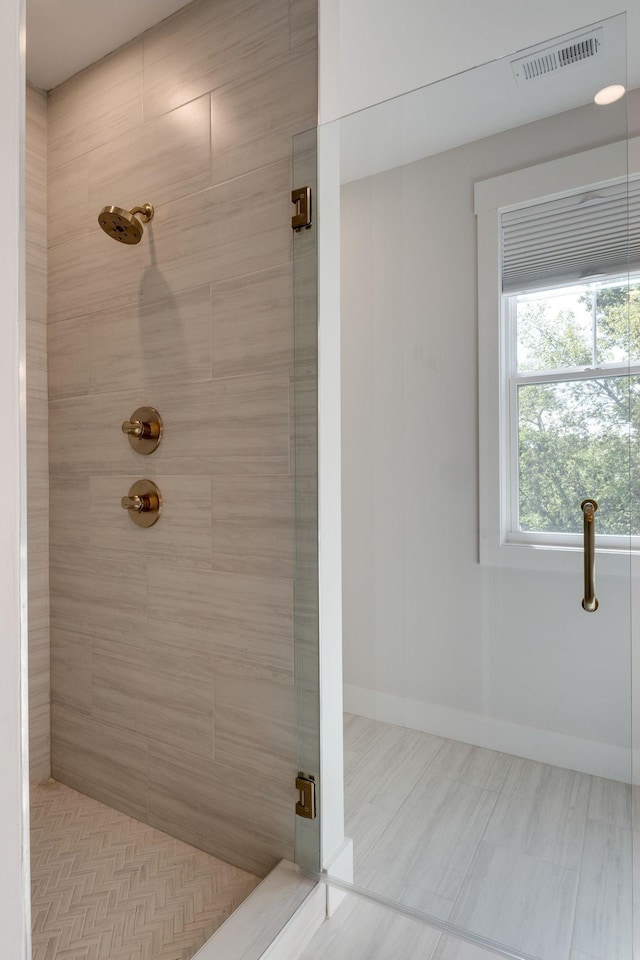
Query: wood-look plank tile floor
column 107, row 886
column 533, row 856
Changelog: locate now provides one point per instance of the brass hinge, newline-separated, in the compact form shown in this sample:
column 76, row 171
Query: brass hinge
column 302, row 217
column 306, row 805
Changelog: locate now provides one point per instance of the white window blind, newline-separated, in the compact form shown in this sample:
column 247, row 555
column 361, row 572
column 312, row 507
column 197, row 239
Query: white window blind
column 571, row 239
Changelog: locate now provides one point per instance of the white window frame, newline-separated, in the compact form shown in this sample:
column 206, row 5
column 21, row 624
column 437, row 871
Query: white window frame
column 499, row 546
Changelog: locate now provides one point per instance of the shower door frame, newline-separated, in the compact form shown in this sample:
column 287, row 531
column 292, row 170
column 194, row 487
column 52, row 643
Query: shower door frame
column 15, row 898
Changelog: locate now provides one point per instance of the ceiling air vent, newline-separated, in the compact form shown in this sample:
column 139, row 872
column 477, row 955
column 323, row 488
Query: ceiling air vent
column 533, row 66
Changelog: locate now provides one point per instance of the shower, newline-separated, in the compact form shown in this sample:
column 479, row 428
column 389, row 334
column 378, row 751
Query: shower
column 122, row 224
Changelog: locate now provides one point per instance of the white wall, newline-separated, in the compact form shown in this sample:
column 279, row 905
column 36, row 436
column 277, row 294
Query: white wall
column 14, row 917
column 504, row 658
column 371, row 50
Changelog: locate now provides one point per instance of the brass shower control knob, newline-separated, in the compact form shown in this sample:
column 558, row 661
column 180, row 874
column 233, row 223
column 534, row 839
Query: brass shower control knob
column 144, row 503
column 144, row 429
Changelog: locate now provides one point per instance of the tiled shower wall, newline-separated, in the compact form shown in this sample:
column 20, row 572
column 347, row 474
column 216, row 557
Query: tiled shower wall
column 37, row 414
column 172, row 647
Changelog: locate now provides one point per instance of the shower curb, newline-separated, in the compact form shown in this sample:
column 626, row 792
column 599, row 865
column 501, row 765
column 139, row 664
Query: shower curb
column 275, row 922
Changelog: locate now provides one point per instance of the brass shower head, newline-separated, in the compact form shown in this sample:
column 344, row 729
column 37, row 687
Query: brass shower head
column 122, row 224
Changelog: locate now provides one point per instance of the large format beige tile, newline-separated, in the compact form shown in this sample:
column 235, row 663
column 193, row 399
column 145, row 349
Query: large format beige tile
column 603, row 924
column 39, row 679
column 85, row 436
column 36, row 360
column 518, row 900
column 38, row 518
column 253, row 525
column 91, row 273
column 68, row 596
column 254, row 118
column 210, row 44
column 96, row 106
column 235, row 228
column 38, row 438
column 127, row 690
column 445, row 820
column 36, row 260
column 217, row 809
column 117, row 608
column 255, row 725
column 39, row 743
column 151, row 343
column 104, row 599
column 38, row 596
column 164, row 160
column 101, row 760
column 182, row 648
column 36, row 166
column 68, row 211
column 189, row 650
column 71, row 669
column 69, row 519
column 303, row 22
column 252, row 322
column 244, row 618
column 69, row 358
column 547, row 823
column 182, row 534
column 230, row 426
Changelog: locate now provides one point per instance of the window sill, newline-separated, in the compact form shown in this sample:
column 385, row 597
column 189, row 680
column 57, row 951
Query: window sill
column 558, row 558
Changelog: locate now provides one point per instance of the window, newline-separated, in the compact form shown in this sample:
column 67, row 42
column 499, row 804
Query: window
column 573, row 384
column 559, row 356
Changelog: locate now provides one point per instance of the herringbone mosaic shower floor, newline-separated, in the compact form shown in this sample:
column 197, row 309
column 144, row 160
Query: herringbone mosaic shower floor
column 106, row 887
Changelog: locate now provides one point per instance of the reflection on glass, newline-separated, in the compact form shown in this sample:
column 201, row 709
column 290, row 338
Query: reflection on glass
column 574, row 441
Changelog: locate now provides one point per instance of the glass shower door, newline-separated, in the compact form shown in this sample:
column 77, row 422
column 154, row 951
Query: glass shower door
column 490, row 331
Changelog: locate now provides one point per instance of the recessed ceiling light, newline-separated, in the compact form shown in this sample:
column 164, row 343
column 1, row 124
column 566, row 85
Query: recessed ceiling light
column 609, row 94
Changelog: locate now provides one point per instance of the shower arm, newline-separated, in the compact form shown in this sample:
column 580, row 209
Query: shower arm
column 146, row 212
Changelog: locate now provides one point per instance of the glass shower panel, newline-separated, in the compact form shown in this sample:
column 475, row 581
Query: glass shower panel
column 489, row 386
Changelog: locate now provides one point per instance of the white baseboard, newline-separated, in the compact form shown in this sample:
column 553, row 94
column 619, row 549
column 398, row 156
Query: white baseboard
column 587, row 756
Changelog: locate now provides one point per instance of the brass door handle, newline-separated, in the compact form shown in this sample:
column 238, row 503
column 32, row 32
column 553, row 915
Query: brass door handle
column 589, row 603
column 144, row 503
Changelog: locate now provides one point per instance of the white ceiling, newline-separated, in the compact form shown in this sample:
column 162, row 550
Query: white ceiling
column 64, row 36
